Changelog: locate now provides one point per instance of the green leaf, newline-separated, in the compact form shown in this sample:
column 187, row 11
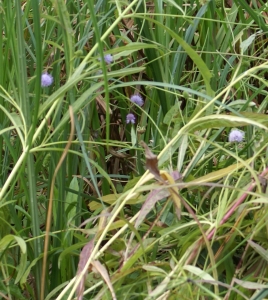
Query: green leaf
column 5, row 241
column 255, row 15
column 260, row 250
column 22, row 267
column 256, row 117
column 16, row 292
column 198, row 272
column 131, row 183
column 86, row 97
column 172, row 113
column 153, row 269
column 130, row 48
column 218, row 121
column 147, row 245
column 203, row 69
column 246, row 43
column 249, row 284
column 133, row 136
column 216, row 175
column 71, row 199
column 28, row 270
column 261, row 295
column 182, row 152
column 71, row 250
column 68, row 33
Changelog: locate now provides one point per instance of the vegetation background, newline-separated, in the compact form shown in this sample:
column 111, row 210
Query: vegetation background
column 88, row 211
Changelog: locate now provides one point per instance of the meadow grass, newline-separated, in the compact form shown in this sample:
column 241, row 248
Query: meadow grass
column 134, row 155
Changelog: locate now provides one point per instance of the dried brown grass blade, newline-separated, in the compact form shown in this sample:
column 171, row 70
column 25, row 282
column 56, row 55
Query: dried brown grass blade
column 84, row 256
column 151, row 161
column 165, row 178
column 103, row 272
column 153, row 197
column 50, row 206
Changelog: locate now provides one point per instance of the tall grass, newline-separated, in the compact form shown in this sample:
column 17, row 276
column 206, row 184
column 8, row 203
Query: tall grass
column 86, row 211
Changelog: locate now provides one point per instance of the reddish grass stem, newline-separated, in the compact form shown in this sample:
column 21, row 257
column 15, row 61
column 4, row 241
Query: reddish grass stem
column 239, row 201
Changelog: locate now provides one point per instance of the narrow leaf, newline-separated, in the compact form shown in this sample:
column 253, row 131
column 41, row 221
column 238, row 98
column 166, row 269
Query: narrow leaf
column 151, row 161
column 84, row 256
column 6, row 240
column 152, row 198
column 71, row 199
column 249, row 284
column 182, row 152
column 103, row 272
column 154, row 269
column 174, row 193
column 216, row 175
column 198, row 272
column 22, row 267
column 263, row 253
column 246, row 43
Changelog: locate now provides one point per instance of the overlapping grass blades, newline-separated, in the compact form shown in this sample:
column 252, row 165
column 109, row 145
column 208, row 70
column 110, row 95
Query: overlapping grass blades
column 201, row 70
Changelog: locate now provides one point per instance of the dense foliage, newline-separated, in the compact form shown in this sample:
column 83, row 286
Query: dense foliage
column 134, row 155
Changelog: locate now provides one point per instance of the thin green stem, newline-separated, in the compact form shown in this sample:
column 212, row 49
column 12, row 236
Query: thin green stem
column 26, row 111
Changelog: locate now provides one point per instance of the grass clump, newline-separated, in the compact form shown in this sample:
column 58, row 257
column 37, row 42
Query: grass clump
column 134, row 149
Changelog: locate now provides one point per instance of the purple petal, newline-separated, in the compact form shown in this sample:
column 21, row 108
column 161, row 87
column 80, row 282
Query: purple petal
column 46, row 80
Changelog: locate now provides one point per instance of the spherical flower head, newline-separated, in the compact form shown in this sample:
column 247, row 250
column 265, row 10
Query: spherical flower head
column 108, row 58
column 46, row 80
column 130, row 118
column 236, row 136
column 137, row 99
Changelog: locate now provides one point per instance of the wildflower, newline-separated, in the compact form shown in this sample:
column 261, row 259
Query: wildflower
column 137, row 99
column 108, row 58
column 46, row 80
column 130, row 118
column 236, row 136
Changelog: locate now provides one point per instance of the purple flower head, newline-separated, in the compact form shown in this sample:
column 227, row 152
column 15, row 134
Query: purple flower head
column 46, row 80
column 130, row 118
column 137, row 99
column 108, row 58
column 236, row 136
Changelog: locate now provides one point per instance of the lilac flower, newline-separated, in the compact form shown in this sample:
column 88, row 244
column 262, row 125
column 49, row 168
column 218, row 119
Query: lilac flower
column 130, row 118
column 137, row 99
column 46, row 80
column 108, row 58
column 236, row 136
